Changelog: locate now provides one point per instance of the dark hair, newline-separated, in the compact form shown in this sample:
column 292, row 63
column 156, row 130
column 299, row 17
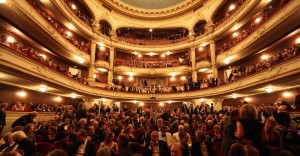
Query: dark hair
column 57, row 152
column 235, row 112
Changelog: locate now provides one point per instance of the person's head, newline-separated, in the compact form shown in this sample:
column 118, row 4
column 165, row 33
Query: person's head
column 34, row 114
column 237, row 149
column 252, row 151
column 57, row 152
column 217, row 128
column 248, row 112
column 29, row 128
column 109, row 137
column 184, row 137
column 18, row 136
column 7, row 138
column 81, row 134
column 104, row 151
column 123, row 139
column 175, row 150
column 210, row 123
column 91, row 130
column 180, row 128
column 154, row 136
column 235, row 114
column 164, row 129
column 160, row 122
column 3, row 105
column 82, row 121
column 67, row 121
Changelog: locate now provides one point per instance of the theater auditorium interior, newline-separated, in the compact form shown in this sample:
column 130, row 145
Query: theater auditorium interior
column 149, row 78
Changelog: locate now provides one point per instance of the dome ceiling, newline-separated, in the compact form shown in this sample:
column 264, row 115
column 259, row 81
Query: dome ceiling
column 152, row 4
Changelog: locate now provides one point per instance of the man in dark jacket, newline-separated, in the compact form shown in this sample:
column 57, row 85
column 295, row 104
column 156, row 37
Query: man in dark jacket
column 156, row 146
column 25, row 119
column 3, row 106
column 82, row 146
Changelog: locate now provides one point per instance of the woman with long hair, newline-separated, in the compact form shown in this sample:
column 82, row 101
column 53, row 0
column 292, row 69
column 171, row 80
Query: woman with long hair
column 109, row 142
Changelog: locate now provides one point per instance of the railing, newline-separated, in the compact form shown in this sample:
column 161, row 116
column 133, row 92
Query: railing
column 88, row 21
column 141, row 41
column 81, row 45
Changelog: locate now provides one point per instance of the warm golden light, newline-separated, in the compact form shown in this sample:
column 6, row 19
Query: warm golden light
column 264, row 57
column 43, row 56
column 202, row 99
column 151, row 53
column 70, row 26
column 168, row 53
column 235, row 34
column 163, row 55
column 80, row 60
column 231, row 7
column 94, row 76
column 134, row 101
column 183, row 78
column 227, row 61
column 298, row 40
column 257, row 20
column 22, row 93
column 142, row 104
column 10, row 39
column 150, row 30
column 269, row 89
column 234, row 96
column 201, row 48
column 269, row 0
column 161, row 104
column 172, row 78
column 169, row 101
column 120, row 77
column 69, row 33
column 2, row 1
column 73, row 6
column 102, row 48
column 58, row 99
column 287, row 94
column 130, row 78
column 173, row 74
column 247, row 99
column 103, row 99
column 135, row 53
column 140, row 55
column 43, row 89
column 74, row 95
column 236, row 27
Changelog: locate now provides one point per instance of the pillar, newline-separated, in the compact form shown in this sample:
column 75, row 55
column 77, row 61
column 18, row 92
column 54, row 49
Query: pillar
column 193, row 61
column 218, row 103
column 212, row 46
column 92, row 62
column 111, row 65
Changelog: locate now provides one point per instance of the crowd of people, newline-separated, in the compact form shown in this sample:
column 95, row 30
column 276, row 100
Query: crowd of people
column 153, row 62
column 86, row 19
column 81, row 44
column 187, row 130
column 37, row 55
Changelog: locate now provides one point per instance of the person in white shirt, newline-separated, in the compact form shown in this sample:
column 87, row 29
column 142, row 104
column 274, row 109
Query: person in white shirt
column 176, row 135
column 165, row 136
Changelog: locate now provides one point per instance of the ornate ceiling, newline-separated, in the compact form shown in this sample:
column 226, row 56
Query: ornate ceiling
column 152, row 4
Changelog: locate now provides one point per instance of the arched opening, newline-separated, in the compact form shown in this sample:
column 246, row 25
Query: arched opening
column 105, row 27
column 199, row 28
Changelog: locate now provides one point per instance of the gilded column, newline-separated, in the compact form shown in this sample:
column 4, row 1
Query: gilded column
column 92, row 62
column 193, row 61
column 212, row 46
column 111, row 65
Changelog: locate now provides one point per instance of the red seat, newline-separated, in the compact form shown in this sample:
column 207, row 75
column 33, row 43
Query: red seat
column 217, row 149
column 44, row 147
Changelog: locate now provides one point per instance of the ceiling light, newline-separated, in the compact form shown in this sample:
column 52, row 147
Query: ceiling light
column 173, row 74
column 231, row 7
column 22, row 93
column 183, row 78
column 103, row 99
column 130, row 78
column 202, row 99
column 10, row 39
column 204, row 44
column 134, row 101
column 161, row 104
column 70, row 26
column 142, row 104
column 269, row 0
column 151, row 53
column 43, row 89
column 130, row 74
column 94, row 76
column 257, row 20
column 298, row 40
column 102, row 48
column 2, row 1
column 264, row 57
column 43, row 56
column 168, row 53
column 102, row 69
column 227, row 61
column 169, row 101
column 287, row 94
column 247, row 99
column 80, row 60
column 58, row 99
column 120, row 77
column 269, row 89
column 140, row 55
column 201, row 48
column 69, row 33
column 73, row 6
column 135, row 53
column 204, row 70
column 234, row 96
column 235, row 34
column 172, row 78
column 150, row 30
column 236, row 27
column 101, row 44
column 163, row 55
column 74, row 95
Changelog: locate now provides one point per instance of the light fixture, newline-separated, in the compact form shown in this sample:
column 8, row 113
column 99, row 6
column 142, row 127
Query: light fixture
column 264, row 57
column 183, row 78
column 287, row 94
column 247, row 99
column 80, row 60
column 43, row 89
column 10, row 39
column 257, row 20
column 173, row 74
column 120, row 77
column 43, row 56
column 236, row 27
column 234, row 96
column 70, row 26
column 269, row 89
column 204, row 70
column 235, row 34
column 150, row 30
column 163, row 55
column 169, row 101
column 269, row 0
column 58, row 99
column 168, row 53
column 2, row 1
column 102, row 48
column 101, row 44
column 140, row 55
column 298, row 40
column 172, row 78
column 22, row 93
column 73, row 6
column 231, row 7
column 69, row 33
column 130, row 74
column 134, row 101
column 151, row 53
column 130, row 78
column 103, row 99
column 201, row 48
column 74, row 95
column 135, row 53
column 227, row 61
column 202, row 99
column 161, row 104
column 102, row 69
column 94, row 76
column 204, row 44
column 142, row 104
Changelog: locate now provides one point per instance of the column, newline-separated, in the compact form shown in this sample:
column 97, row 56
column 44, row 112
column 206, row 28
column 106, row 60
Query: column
column 212, row 46
column 191, row 33
column 92, row 62
column 193, row 61
column 111, row 65
column 217, row 103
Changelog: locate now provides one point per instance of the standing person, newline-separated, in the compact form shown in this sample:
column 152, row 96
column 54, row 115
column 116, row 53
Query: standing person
column 156, row 147
column 25, row 119
column 80, row 112
column 233, row 131
column 109, row 142
column 3, row 106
